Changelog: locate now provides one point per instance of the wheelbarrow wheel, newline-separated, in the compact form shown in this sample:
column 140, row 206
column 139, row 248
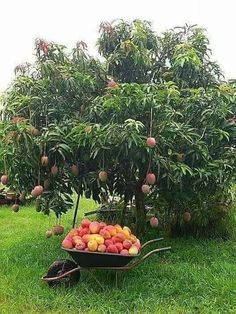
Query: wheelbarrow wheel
column 60, row 267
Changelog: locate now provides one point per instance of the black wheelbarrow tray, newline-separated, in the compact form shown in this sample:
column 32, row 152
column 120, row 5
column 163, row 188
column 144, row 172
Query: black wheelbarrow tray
column 69, row 271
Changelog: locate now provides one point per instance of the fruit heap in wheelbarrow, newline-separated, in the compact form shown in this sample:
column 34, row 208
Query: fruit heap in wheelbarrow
column 96, row 236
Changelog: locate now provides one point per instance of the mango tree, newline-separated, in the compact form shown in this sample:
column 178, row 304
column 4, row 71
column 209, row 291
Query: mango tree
column 153, row 121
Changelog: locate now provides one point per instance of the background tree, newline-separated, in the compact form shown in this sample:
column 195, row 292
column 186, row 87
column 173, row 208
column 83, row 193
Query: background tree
column 45, row 101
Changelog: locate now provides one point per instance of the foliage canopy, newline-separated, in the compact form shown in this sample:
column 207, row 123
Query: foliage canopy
column 165, row 86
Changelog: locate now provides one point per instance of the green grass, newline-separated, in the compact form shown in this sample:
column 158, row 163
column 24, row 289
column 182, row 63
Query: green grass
column 196, row 277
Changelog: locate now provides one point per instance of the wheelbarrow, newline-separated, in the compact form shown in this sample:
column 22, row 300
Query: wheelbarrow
column 69, row 271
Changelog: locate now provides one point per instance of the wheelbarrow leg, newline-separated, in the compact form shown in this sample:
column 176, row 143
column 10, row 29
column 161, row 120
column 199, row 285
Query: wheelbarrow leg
column 116, row 279
column 97, row 281
column 119, row 279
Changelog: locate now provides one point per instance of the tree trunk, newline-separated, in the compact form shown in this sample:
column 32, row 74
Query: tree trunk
column 140, row 212
column 76, row 211
column 124, row 209
column 123, row 213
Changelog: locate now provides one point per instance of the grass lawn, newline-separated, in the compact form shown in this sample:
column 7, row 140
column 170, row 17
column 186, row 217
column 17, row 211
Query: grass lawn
column 196, row 277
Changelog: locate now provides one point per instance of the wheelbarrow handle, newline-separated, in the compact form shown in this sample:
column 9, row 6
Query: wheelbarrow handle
column 142, row 259
column 134, row 264
column 151, row 241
